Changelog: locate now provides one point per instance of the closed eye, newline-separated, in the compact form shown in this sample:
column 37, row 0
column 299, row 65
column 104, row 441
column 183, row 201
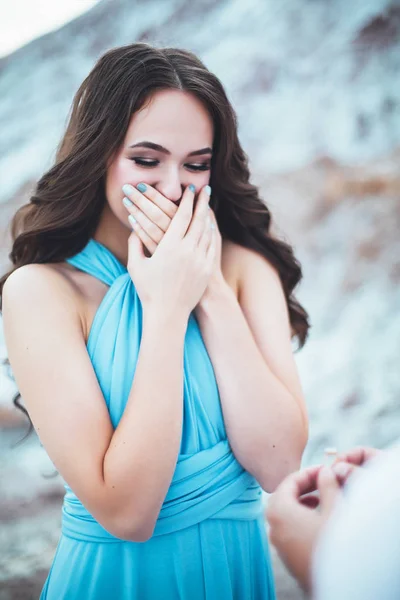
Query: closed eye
column 146, row 163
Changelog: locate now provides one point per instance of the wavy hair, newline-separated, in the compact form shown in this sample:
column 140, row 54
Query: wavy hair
column 64, row 210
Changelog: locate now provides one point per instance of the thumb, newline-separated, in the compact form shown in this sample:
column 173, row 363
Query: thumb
column 329, row 490
column 135, row 251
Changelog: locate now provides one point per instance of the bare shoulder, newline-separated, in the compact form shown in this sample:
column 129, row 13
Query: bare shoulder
column 41, row 287
column 243, row 264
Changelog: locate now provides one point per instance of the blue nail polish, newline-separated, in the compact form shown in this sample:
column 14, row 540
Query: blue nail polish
column 192, row 188
column 208, row 190
column 132, row 219
column 127, row 189
column 142, row 187
column 127, row 202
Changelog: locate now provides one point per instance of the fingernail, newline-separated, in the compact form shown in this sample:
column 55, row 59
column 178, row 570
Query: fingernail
column 127, row 202
column 132, row 219
column 142, row 187
column 326, row 473
column 127, row 189
column 192, row 188
column 341, row 469
column 212, row 225
column 208, row 190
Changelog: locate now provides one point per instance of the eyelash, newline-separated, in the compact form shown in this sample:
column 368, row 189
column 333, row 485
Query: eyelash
column 154, row 163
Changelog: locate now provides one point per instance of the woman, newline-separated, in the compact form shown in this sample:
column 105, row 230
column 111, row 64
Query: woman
column 156, row 364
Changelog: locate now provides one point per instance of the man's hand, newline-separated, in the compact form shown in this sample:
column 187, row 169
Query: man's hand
column 295, row 526
column 358, row 456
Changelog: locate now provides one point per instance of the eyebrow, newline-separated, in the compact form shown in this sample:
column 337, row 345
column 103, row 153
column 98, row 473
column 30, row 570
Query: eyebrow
column 159, row 148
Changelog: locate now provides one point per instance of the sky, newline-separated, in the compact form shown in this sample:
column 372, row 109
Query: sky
column 23, row 20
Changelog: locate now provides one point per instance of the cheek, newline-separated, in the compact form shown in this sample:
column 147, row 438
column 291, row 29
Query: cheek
column 205, row 178
column 119, row 173
column 200, row 179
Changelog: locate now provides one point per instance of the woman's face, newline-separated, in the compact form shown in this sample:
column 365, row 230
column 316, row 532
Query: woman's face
column 180, row 126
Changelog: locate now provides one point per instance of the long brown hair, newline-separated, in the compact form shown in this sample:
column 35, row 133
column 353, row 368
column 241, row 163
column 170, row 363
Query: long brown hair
column 64, row 211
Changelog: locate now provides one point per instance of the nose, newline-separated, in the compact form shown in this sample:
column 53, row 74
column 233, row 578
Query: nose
column 171, row 186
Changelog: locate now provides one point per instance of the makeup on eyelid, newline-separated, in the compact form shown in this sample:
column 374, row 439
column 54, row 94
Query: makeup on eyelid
column 148, row 163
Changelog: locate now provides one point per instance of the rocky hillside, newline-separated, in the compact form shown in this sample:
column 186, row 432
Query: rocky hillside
column 315, row 86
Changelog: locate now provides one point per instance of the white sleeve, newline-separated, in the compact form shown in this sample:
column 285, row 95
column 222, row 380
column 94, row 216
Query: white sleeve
column 358, row 554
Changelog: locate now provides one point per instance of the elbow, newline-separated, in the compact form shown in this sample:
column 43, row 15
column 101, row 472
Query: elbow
column 130, row 519
column 270, row 476
column 131, row 531
column 271, row 480
column 140, row 533
column 270, row 466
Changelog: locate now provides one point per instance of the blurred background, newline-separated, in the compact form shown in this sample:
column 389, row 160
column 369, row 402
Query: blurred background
column 316, row 88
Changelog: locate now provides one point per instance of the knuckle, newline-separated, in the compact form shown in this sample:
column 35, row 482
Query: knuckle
column 158, row 221
column 191, row 248
column 165, row 224
column 153, row 230
column 137, row 200
column 132, row 209
column 156, row 197
column 187, row 212
column 154, row 210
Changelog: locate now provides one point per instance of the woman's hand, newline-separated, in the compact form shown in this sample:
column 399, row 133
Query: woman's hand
column 150, row 215
column 217, row 280
column 294, row 526
column 174, row 278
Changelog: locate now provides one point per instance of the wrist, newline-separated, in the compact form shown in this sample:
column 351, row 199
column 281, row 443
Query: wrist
column 216, row 296
column 161, row 316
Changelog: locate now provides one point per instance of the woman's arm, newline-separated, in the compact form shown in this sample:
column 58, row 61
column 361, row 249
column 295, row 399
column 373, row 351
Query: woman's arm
column 120, row 476
column 249, row 343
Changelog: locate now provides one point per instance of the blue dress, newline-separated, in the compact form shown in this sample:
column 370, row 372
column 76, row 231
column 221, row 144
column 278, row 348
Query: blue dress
column 209, row 541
